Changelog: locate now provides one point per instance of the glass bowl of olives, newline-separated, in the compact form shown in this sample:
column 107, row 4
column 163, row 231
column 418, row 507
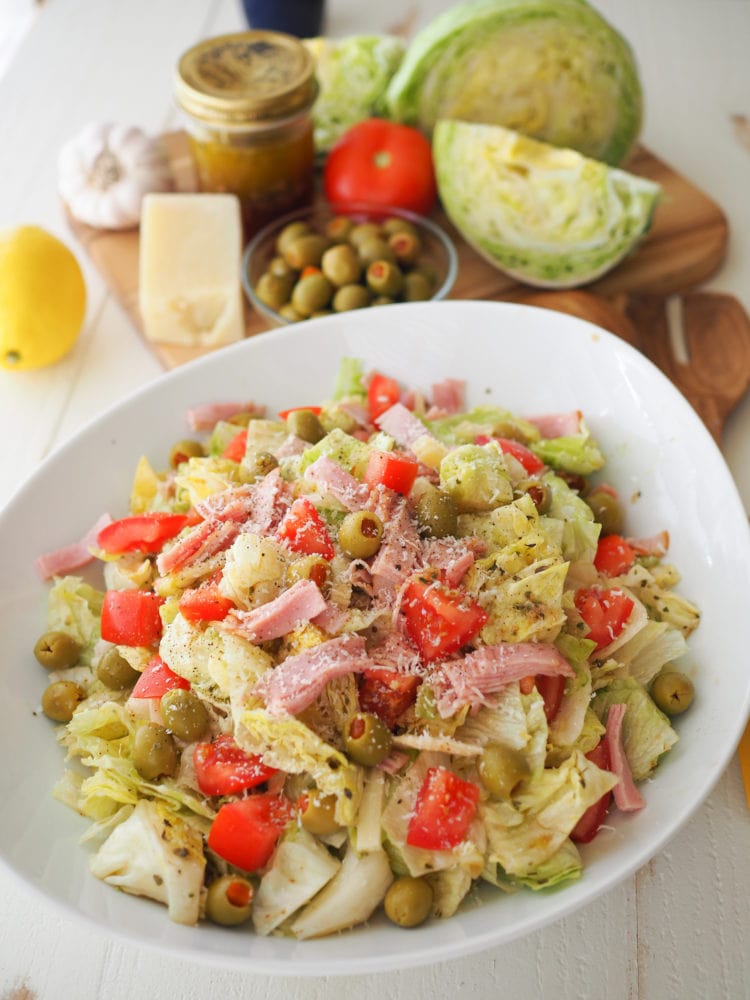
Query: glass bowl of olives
column 321, row 261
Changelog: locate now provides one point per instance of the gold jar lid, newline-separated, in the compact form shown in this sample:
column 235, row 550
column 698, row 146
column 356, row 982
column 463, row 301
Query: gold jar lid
column 251, row 76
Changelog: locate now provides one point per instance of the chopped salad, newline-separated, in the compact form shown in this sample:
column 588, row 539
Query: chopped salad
column 357, row 655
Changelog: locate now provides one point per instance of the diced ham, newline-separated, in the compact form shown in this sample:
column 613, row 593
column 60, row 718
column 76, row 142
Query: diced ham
column 468, row 680
column 449, row 395
column 205, row 540
column 297, row 681
column 359, row 575
column 401, row 424
column 342, row 485
column 272, row 497
column 400, row 549
column 291, row 446
column 453, row 557
column 552, row 425
column 233, row 504
column 654, row 545
column 73, row 556
column 627, row 796
column 393, row 763
column 331, row 619
column 207, row 415
column 356, row 411
column 296, row 606
column 397, row 653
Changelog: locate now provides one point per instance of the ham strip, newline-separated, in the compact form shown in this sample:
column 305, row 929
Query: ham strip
column 627, row 796
column 205, row 540
column 358, row 412
column 467, row 681
column 294, row 607
column 452, row 557
column 401, row 424
column 298, row 681
column 73, row 556
column 400, row 549
column 207, row 415
column 552, row 425
column 233, row 504
column 291, row 446
column 654, row 545
column 449, row 396
column 342, row 485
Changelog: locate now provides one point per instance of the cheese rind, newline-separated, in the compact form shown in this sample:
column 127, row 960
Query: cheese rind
column 190, row 256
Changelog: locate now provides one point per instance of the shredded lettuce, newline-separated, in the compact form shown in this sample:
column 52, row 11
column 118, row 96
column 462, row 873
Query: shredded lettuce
column 75, row 607
column 646, row 730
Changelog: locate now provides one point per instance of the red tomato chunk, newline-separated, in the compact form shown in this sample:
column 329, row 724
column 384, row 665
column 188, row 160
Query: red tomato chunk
column 304, row 530
column 387, row 693
column 440, row 621
column 382, row 393
column 140, row 533
column 157, row 679
column 245, row 832
column 131, row 617
column 223, row 768
column 614, row 555
column 605, row 612
column 393, row 469
column 588, row 825
column 443, row 811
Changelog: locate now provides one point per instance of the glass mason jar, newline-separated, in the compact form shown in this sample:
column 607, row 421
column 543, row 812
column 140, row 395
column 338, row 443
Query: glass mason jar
column 247, row 99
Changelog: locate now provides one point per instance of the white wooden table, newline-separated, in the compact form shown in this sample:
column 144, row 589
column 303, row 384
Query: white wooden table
column 680, row 927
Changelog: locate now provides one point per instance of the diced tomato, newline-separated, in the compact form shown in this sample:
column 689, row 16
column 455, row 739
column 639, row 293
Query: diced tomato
column 140, row 533
column 205, row 603
column 382, row 393
column 235, row 450
column 223, row 768
column 317, row 410
column 131, row 617
column 552, row 689
column 393, row 469
column 304, row 530
column 531, row 462
column 157, row 679
column 245, row 832
column 605, row 612
column 588, row 825
column 440, row 621
column 443, row 811
column 387, row 693
column 614, row 555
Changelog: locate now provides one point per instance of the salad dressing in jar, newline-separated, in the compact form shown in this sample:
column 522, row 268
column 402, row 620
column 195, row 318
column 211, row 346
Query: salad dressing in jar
column 247, row 99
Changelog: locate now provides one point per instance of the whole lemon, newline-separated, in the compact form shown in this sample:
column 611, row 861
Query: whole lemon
column 42, row 299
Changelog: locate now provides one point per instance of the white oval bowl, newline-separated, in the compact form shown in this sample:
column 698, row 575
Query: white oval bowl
column 528, row 360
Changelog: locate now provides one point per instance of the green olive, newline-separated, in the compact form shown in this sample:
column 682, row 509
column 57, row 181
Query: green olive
column 318, row 811
column 360, row 534
column 60, row 700
column 288, row 234
column 501, row 768
column 183, row 451
column 382, row 300
column 341, row 265
column 374, row 248
column 405, row 246
column 395, row 224
column 408, row 901
column 429, row 273
column 339, row 228
column 274, row 290
column 290, row 314
column 229, row 900
column 539, row 493
column 115, row 672
column 384, row 278
column 437, row 514
column 57, row 650
column 364, row 231
column 311, row 293
column 416, row 287
column 350, row 297
column 314, row 568
column 607, row 510
column 306, row 425
column 184, row 714
column 367, row 740
column 280, row 268
column 672, row 692
column 305, row 251
column 260, row 464
column 154, row 752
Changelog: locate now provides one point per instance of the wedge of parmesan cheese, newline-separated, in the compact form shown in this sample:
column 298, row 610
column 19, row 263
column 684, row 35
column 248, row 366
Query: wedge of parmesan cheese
column 190, row 256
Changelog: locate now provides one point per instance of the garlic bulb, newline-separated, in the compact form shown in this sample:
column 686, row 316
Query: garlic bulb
column 104, row 172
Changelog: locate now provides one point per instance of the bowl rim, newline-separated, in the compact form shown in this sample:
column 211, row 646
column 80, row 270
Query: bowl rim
column 355, row 208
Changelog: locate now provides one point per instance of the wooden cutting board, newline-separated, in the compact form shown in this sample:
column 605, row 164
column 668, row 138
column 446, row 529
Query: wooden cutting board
column 636, row 300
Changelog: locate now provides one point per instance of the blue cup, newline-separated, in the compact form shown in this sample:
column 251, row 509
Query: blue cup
column 303, row 18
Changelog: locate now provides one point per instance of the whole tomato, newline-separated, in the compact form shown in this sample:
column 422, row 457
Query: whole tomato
column 378, row 162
